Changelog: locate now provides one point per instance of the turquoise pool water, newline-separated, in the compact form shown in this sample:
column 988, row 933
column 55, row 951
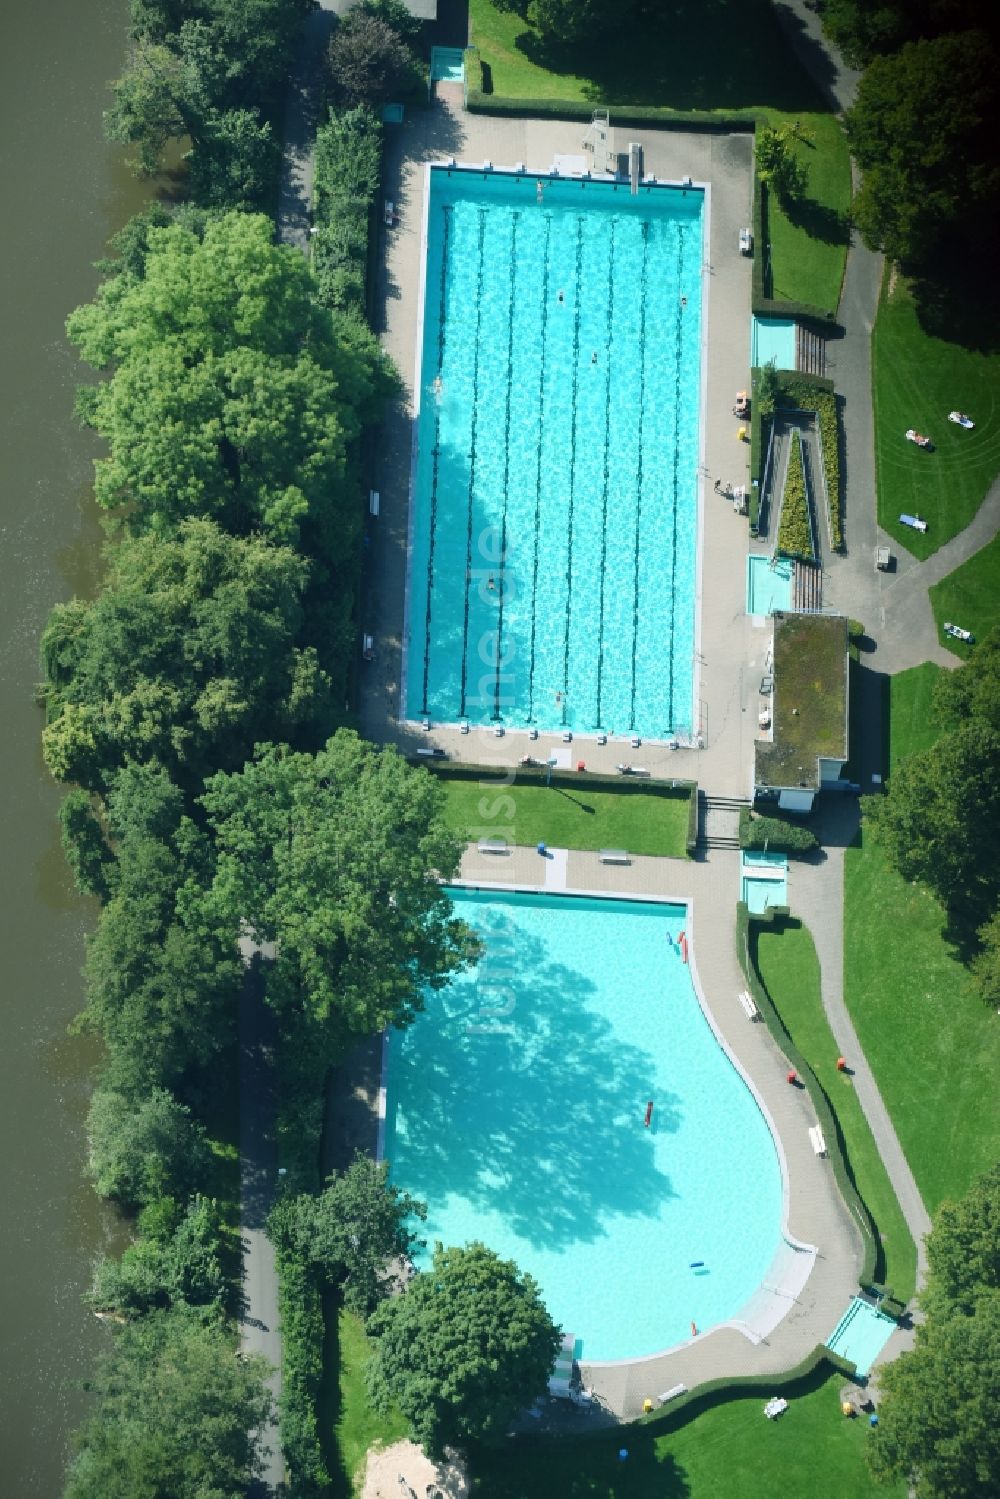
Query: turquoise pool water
column 447, row 64
column 554, row 540
column 515, row 1110
column 764, row 881
column 861, row 1334
column 772, row 339
column 769, row 587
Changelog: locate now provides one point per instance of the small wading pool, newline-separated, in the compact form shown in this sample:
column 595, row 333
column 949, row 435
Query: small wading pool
column 764, row 881
column 861, row 1334
column 772, row 341
column 516, row 1106
column 769, row 584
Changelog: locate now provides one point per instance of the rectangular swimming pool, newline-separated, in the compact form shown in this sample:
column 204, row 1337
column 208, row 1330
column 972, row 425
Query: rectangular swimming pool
column 554, row 513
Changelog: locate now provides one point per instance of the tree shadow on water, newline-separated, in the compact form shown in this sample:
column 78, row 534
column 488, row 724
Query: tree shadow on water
column 524, row 1101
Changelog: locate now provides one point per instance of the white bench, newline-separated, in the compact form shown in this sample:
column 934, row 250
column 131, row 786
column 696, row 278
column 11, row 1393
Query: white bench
column 614, row 856
column 816, row 1139
column 746, row 1003
column 673, row 1392
column 493, row 846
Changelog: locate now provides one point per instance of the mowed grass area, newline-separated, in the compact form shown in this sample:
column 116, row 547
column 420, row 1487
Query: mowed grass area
column 911, row 722
column 583, row 817
column 349, row 1425
column 933, row 1045
column 730, row 1449
column 917, row 379
column 789, row 968
column 712, row 57
column 970, row 597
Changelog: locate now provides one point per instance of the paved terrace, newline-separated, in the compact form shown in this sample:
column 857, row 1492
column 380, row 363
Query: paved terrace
column 815, row 1212
column 731, row 650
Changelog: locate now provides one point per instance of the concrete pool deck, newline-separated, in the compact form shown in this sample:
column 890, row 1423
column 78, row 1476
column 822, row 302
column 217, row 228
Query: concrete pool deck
column 730, row 649
column 815, row 1212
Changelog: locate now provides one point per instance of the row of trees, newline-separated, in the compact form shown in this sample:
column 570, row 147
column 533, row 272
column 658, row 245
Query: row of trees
column 940, row 820
column 924, row 125
column 937, row 1427
column 213, row 72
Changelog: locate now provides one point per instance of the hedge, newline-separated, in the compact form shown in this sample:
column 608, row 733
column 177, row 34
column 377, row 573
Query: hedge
column 348, row 175
column 300, row 1308
column 795, row 536
column 478, row 102
column 825, row 1114
column 815, row 393
column 774, row 833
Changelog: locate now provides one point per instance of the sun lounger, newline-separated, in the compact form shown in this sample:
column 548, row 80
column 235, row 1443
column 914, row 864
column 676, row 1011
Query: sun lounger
column 914, row 522
column 390, row 214
column 816, row 1139
column 747, row 1004
column 746, row 242
column 957, row 633
column 672, row 1393
column 775, row 1407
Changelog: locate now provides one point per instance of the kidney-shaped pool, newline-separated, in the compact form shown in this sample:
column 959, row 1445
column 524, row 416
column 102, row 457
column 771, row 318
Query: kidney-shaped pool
column 517, row 1104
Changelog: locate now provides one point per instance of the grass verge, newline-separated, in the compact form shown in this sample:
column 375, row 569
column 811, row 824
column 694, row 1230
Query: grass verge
column 970, row 597
column 585, row 819
column 933, row 1045
column 789, row 968
column 350, row 1426
column 917, row 379
column 716, row 58
column 728, row 1449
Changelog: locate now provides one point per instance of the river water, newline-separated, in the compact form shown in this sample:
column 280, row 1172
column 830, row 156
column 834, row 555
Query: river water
column 63, row 191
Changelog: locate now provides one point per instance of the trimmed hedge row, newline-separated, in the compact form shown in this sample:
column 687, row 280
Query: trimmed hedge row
column 775, row 834
column 348, row 175
column 825, row 1113
column 300, row 1307
column 795, row 536
column 816, row 393
column 478, row 102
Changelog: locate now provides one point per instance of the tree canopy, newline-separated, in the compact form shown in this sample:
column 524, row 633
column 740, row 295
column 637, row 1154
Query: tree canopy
column 924, row 129
column 327, row 856
column 175, row 1415
column 175, row 1259
column 369, row 61
column 145, row 1150
column 938, row 1429
column 864, row 29
column 188, row 656
column 353, row 1231
column 234, row 395
column 467, row 1345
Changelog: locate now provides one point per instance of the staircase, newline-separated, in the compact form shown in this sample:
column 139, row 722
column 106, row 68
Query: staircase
column 807, row 588
column 810, row 351
column 719, row 820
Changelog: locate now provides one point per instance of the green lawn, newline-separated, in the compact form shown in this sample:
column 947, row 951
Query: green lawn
column 911, row 726
column 583, row 817
column 351, row 1426
column 933, row 1045
column 970, row 597
column 787, row 963
column 917, row 379
column 730, row 1449
column 714, row 57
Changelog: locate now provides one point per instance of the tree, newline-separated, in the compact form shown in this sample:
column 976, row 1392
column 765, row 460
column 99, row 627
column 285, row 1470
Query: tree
column 144, row 1150
column 467, row 1346
column 175, row 1260
column 84, row 844
column 353, row 1231
column 985, row 965
column 863, row 29
column 963, row 1249
column 923, row 130
column 237, row 161
column 939, row 822
column 777, row 166
column 188, row 656
column 330, row 856
column 369, row 61
column 176, row 1413
column 973, row 689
